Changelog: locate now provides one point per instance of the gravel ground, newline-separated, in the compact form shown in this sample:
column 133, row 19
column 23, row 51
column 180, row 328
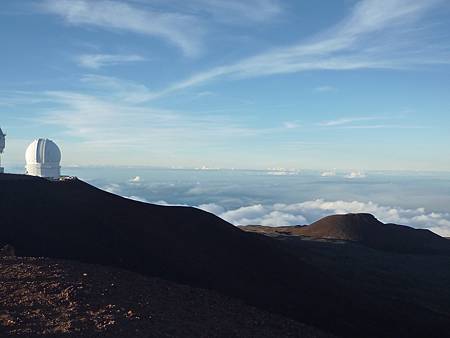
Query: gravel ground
column 43, row 297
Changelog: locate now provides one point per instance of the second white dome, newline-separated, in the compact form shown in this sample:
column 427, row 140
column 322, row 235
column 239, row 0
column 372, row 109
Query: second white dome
column 43, row 157
column 43, row 151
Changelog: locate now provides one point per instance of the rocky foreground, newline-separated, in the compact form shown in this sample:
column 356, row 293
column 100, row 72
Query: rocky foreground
column 46, row 297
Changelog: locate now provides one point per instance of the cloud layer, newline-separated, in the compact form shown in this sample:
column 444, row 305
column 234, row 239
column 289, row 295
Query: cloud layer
column 307, row 212
column 248, row 197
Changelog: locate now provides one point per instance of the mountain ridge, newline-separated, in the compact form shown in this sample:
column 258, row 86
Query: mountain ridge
column 366, row 229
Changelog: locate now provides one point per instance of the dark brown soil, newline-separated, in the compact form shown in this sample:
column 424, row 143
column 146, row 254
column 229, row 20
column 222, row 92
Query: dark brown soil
column 46, row 297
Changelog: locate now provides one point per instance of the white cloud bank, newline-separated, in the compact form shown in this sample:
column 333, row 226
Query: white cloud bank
column 135, row 179
column 330, row 173
column 137, row 198
column 355, row 174
column 307, row 212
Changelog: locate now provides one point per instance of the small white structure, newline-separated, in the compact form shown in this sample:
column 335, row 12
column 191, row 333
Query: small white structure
column 43, row 159
column 2, row 147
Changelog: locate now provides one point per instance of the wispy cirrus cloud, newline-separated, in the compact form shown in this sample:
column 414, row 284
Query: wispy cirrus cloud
column 181, row 23
column 96, row 61
column 368, row 122
column 377, row 34
column 232, row 11
column 109, row 115
column 125, row 91
column 179, row 29
column 105, row 121
column 348, row 120
column 291, row 124
column 325, row 89
column 385, row 126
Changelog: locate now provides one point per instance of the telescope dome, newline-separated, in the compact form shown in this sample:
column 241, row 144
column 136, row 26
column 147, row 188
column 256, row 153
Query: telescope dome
column 43, row 159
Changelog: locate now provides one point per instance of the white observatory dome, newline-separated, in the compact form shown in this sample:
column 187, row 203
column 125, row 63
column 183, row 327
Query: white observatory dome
column 43, row 157
column 2, row 147
column 2, row 141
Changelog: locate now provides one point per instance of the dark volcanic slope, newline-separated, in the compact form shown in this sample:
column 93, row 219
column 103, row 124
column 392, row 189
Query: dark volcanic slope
column 73, row 220
column 414, row 288
column 366, row 229
column 49, row 297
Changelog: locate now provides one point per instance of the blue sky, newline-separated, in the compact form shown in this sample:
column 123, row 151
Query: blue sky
column 339, row 84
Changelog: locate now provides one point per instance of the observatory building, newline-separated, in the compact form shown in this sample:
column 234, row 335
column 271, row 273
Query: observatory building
column 2, row 147
column 43, row 159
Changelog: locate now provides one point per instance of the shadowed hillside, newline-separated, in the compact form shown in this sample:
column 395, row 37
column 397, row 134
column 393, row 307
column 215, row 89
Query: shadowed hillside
column 367, row 230
column 73, row 220
column 414, row 288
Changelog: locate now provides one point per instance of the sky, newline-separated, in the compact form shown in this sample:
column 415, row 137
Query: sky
column 333, row 85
